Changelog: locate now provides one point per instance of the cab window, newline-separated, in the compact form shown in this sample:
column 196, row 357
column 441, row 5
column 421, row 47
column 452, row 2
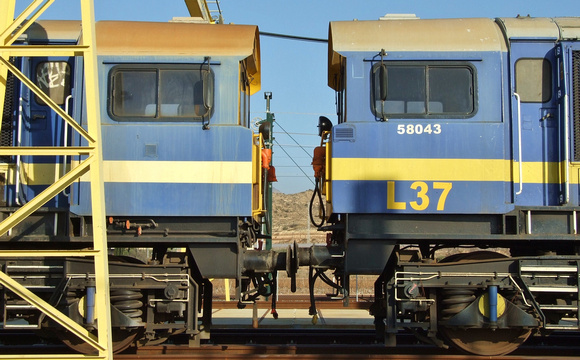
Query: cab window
column 534, row 80
column 422, row 90
column 162, row 93
column 54, row 79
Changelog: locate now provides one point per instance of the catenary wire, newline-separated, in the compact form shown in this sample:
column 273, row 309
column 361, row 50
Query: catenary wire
column 280, row 126
column 295, row 163
column 293, row 37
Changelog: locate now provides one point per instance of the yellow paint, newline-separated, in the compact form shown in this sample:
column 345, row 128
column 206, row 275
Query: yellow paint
column 446, row 187
column 192, row 172
column 392, row 204
column 484, row 305
column 422, row 189
column 444, row 169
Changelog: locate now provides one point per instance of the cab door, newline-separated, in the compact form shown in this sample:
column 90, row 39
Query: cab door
column 536, row 128
column 40, row 125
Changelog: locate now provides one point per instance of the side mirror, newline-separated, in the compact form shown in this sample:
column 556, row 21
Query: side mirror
column 324, row 124
column 208, row 90
column 265, row 129
column 383, row 82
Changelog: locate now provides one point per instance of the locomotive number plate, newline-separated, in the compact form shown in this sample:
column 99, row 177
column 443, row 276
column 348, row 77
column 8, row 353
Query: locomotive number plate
column 438, row 191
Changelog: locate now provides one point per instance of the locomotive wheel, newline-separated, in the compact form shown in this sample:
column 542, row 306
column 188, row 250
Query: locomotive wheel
column 122, row 339
column 483, row 342
column 486, row 342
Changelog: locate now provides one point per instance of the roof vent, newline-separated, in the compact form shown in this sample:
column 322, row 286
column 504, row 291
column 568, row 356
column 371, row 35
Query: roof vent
column 399, row 17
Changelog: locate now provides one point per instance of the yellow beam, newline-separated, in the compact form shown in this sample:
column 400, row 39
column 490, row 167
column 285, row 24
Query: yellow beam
column 36, row 90
column 198, row 8
column 24, row 20
column 45, row 150
column 52, row 357
column 45, row 196
column 49, row 310
column 46, row 253
column 6, row 17
column 39, row 50
column 103, row 311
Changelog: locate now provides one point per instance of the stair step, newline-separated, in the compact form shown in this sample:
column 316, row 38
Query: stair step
column 21, row 307
column 558, row 289
column 554, row 268
column 559, row 307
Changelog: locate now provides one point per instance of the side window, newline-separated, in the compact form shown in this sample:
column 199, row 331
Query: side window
column 534, row 80
column 54, row 79
column 163, row 93
column 423, row 91
column 134, row 93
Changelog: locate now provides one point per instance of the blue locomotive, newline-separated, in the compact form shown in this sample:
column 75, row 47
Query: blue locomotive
column 456, row 133
column 186, row 177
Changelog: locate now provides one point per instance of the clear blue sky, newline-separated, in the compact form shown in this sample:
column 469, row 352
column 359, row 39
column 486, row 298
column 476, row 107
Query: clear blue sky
column 295, row 71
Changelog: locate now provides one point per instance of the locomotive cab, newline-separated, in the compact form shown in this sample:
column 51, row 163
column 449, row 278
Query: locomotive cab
column 184, row 179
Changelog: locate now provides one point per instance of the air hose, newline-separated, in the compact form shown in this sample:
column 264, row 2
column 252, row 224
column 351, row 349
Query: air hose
column 317, row 192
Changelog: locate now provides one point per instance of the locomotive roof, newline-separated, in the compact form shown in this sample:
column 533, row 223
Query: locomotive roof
column 187, row 39
column 152, row 38
column 543, row 28
column 433, row 35
column 43, row 30
column 438, row 35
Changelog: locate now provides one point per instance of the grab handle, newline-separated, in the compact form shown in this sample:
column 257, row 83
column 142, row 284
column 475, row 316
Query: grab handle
column 520, row 142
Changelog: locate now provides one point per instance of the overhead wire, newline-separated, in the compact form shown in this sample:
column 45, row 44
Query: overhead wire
column 290, row 136
column 293, row 37
column 295, row 163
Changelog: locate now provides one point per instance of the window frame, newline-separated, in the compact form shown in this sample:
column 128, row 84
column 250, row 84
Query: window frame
column 158, row 117
column 426, row 65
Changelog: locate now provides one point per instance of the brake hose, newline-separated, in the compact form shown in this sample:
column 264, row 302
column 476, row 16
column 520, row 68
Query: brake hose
column 317, row 191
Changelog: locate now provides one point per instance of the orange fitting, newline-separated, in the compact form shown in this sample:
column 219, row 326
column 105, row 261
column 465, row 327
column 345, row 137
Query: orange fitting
column 266, row 158
column 318, row 161
column 272, row 174
column 127, row 225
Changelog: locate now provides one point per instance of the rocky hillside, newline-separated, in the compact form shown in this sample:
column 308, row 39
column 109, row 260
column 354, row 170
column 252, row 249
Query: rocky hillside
column 291, row 220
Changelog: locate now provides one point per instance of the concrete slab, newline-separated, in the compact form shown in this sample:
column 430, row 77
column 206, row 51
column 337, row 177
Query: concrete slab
column 294, row 318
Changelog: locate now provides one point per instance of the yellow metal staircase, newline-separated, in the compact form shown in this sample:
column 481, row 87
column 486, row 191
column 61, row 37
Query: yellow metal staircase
column 11, row 27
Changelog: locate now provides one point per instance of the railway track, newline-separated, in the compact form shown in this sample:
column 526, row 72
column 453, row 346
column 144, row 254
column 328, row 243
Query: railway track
column 283, row 344
column 339, row 345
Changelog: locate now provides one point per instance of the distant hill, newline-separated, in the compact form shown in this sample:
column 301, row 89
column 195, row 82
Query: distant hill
column 290, row 218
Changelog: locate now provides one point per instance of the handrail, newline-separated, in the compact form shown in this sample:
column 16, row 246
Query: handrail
column 566, row 150
column 65, row 138
column 520, row 142
column 18, row 144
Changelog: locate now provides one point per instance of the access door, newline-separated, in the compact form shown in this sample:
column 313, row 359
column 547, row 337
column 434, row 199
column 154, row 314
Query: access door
column 39, row 125
column 537, row 150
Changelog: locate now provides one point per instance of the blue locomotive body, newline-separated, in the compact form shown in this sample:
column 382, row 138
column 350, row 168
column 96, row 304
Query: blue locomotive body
column 456, row 133
column 182, row 169
column 445, row 138
column 175, row 127
column 173, row 140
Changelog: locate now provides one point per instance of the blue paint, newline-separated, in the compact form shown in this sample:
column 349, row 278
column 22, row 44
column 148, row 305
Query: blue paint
column 90, row 315
column 167, row 199
column 492, row 291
